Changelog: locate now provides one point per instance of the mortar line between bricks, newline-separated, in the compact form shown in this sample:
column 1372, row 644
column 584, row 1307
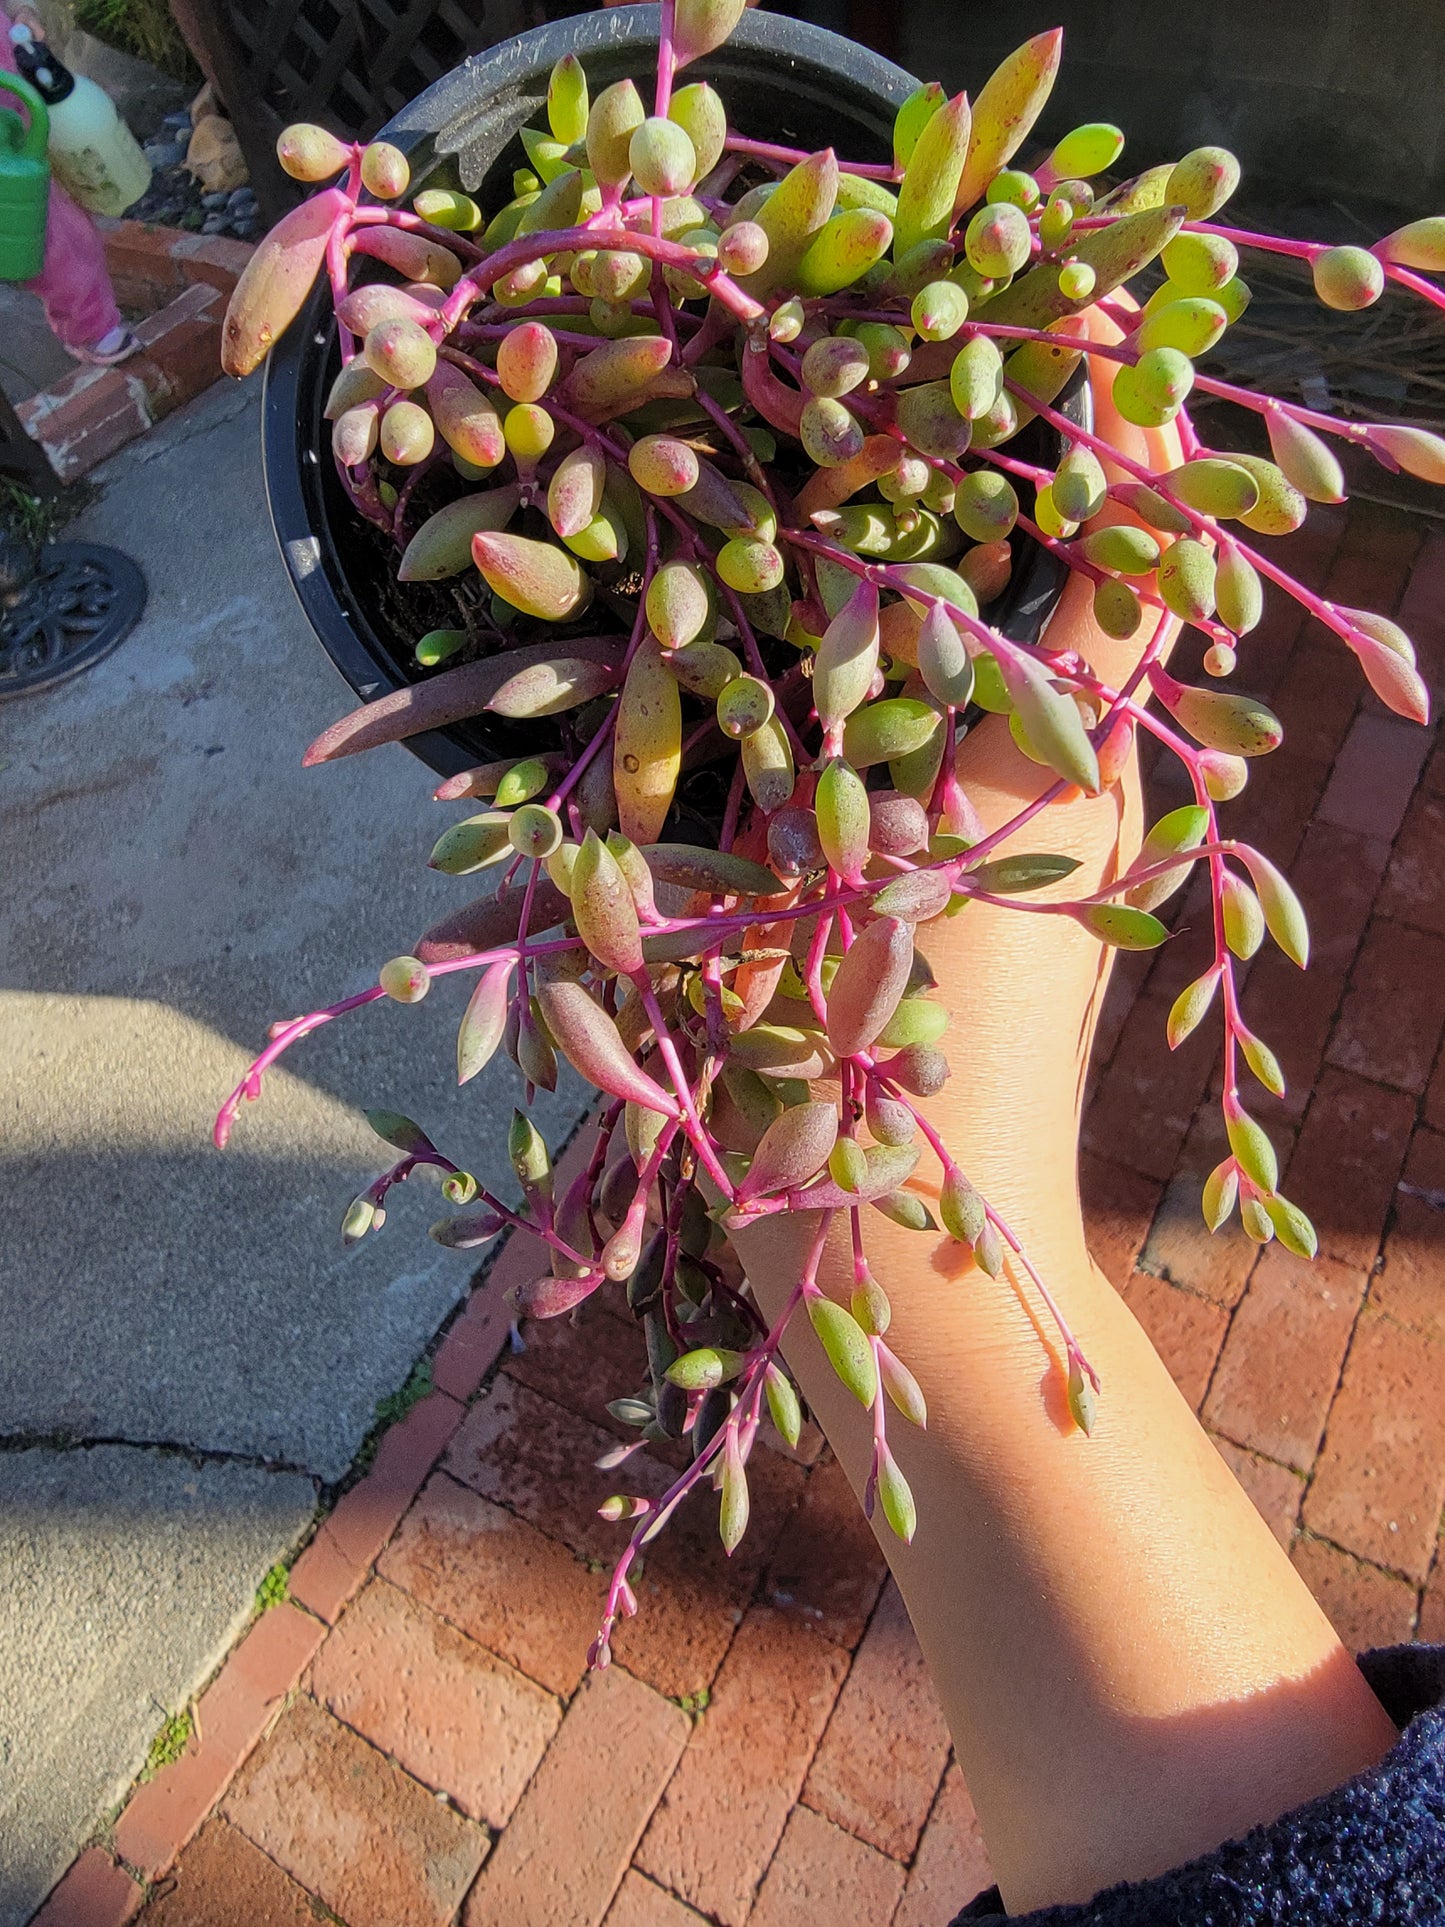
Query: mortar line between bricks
column 1390, row 1572
column 298, row 1693
column 439, row 1794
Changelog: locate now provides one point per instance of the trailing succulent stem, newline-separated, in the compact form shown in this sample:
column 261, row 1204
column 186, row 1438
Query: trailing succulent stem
column 723, row 436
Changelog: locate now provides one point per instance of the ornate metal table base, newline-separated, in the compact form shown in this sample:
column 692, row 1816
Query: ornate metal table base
column 62, row 610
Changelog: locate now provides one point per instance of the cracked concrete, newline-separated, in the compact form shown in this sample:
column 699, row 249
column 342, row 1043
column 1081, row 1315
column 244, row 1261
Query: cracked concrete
column 177, row 882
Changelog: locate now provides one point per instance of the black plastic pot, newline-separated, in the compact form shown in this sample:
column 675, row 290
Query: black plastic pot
column 782, row 80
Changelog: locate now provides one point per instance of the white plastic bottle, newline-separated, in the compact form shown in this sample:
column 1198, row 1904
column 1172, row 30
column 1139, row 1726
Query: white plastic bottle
column 93, row 154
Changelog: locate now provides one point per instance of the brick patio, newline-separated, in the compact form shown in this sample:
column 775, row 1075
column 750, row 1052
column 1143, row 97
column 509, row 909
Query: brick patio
column 409, row 1741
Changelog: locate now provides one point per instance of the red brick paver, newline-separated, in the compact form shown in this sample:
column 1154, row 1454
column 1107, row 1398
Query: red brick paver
column 1279, row 1365
column 334, row 1565
column 456, row 1718
column 1411, row 1284
column 1186, row 1331
column 351, row 1827
column 747, row 1757
column 815, row 1866
column 563, row 1857
column 1380, row 1483
column 224, row 1881
column 878, row 1768
column 500, row 1580
column 951, row 1865
column 95, row 1893
column 1365, row 1606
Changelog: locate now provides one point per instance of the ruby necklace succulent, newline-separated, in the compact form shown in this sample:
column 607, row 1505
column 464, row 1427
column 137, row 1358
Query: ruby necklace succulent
column 730, row 434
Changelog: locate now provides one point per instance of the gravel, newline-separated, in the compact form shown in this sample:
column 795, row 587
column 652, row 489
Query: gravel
column 174, row 197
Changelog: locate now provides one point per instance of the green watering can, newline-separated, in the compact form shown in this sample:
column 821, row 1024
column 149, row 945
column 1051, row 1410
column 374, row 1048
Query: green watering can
column 24, row 182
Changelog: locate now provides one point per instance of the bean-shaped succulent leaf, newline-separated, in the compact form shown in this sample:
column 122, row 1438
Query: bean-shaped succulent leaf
column 590, row 1041
column 847, row 657
column 647, row 745
column 1284, row 915
column 869, row 984
column 612, row 120
column 1010, row 101
column 1263, row 1062
column 1238, row 591
column 1253, row 1152
column 961, row 1207
column 1221, row 719
column 917, row 897
column 793, row 213
column 536, row 577
column 1122, row 927
column 1050, row 719
column 1182, row 829
column 694, row 867
column 442, row 546
column 484, row 1020
column 1221, row 1188
column 276, row 281
column 929, row 188
column 889, row 729
column 895, row 1495
column 1083, row 1401
column 548, row 688
column 574, row 494
column 1244, row 924
column 844, row 249
column 768, row 767
column 847, row 1346
column 475, row 843
column 784, row 1405
column 604, row 909
column 843, row 817
column 889, row 1166
column 704, row 1367
column 1190, row 1008
column 1011, row 876
column 792, row 1150
column 1292, row 1227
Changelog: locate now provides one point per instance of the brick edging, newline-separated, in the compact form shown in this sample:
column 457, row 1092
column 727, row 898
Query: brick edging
column 264, row 1668
column 184, row 282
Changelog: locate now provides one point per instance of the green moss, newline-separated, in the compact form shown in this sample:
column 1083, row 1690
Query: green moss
column 169, row 1743
column 272, row 1589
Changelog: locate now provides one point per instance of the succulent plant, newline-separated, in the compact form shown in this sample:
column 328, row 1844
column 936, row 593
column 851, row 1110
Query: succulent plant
column 731, row 433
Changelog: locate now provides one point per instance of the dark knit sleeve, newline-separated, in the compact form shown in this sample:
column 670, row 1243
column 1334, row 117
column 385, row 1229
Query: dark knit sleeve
column 1373, row 1850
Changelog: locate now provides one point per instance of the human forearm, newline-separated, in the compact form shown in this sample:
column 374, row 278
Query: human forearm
column 1131, row 1668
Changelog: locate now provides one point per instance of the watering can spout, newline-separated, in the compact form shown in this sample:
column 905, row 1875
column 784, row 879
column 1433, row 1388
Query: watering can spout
column 24, row 181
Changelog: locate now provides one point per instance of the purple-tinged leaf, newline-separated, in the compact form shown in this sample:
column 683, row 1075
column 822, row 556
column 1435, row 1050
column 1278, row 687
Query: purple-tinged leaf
column 484, row 1020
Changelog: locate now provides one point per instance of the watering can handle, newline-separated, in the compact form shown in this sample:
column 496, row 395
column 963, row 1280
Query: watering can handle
column 37, row 136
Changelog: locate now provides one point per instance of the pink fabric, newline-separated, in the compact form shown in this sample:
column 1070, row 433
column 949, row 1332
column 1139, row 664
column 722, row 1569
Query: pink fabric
column 73, row 283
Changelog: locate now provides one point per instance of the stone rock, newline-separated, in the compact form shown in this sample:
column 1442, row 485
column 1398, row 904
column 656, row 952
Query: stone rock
column 164, row 153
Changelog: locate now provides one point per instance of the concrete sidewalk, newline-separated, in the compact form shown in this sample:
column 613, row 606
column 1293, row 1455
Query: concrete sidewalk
column 190, row 1358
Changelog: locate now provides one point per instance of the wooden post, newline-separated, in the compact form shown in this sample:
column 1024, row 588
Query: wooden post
column 206, row 29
